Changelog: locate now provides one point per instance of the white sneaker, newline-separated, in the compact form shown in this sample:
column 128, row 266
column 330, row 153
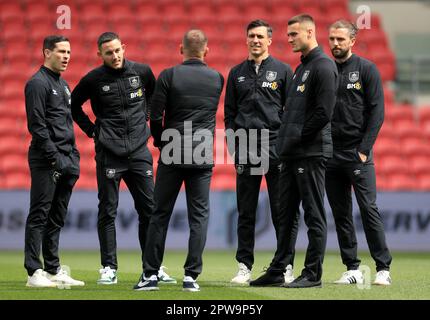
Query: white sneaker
column 351, row 277
column 39, row 280
column 243, row 275
column 62, row 278
column 289, row 274
column 163, row 277
column 107, row 276
column 383, row 278
column 189, row 284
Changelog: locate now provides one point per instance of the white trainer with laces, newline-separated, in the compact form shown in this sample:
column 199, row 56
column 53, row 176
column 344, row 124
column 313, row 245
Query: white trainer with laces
column 107, row 276
column 289, row 274
column 189, row 284
column 39, row 280
column 163, row 277
column 63, row 278
column 243, row 275
column 351, row 277
column 383, row 278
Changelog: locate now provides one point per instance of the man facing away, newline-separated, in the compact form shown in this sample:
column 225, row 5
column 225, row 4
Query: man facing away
column 184, row 107
column 358, row 116
column 54, row 165
column 120, row 91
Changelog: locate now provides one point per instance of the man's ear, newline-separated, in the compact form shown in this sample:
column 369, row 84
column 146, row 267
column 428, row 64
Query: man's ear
column 99, row 54
column 206, row 51
column 123, row 47
column 47, row 53
column 181, row 49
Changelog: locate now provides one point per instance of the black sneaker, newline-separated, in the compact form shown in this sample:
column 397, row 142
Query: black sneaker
column 269, row 279
column 303, row 282
column 189, row 284
column 147, row 284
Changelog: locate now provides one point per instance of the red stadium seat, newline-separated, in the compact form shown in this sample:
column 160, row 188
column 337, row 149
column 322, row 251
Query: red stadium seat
column 256, row 11
column 388, row 97
column 18, row 181
column 393, row 164
column 385, row 146
column 420, row 164
column 11, row 163
column 401, row 182
column 424, row 115
column 424, row 182
column 415, row 146
column 229, row 11
column 12, row 145
column 400, row 112
column 223, row 182
column 382, row 183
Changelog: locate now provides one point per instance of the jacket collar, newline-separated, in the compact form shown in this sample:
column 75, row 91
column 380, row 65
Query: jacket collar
column 350, row 60
column 194, row 61
column 252, row 62
column 315, row 52
column 53, row 74
column 124, row 68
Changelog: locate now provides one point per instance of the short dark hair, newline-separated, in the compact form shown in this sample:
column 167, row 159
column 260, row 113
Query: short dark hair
column 260, row 23
column 194, row 42
column 106, row 37
column 50, row 41
column 345, row 24
column 301, row 18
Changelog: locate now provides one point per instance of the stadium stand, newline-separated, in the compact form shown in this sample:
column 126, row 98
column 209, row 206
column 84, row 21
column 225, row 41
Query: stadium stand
column 402, row 151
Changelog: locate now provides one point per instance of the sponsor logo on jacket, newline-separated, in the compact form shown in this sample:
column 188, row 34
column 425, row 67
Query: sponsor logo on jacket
column 271, row 85
column 136, row 94
column 356, row 86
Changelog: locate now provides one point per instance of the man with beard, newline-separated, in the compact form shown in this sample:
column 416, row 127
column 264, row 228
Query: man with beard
column 358, row 116
column 120, row 92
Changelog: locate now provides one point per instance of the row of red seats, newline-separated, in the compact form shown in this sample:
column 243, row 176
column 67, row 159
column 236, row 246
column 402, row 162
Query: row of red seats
column 170, row 8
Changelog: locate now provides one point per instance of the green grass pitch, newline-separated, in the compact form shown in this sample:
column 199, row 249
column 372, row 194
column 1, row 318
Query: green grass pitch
column 409, row 273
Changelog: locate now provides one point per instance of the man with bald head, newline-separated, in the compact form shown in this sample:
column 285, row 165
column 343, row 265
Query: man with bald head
column 183, row 112
column 304, row 145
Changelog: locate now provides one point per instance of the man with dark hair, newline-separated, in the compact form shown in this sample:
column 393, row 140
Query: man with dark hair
column 304, row 145
column 54, row 165
column 120, row 91
column 358, row 116
column 186, row 97
column 255, row 100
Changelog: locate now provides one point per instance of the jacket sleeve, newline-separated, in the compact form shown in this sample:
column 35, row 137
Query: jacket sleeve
column 284, row 94
column 35, row 106
column 230, row 103
column 158, row 105
column 325, row 92
column 149, row 85
column 80, row 94
column 374, row 100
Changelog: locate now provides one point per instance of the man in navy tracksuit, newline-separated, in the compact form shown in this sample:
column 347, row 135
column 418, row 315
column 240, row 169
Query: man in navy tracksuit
column 54, row 164
column 304, row 145
column 184, row 108
column 255, row 100
column 358, row 116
